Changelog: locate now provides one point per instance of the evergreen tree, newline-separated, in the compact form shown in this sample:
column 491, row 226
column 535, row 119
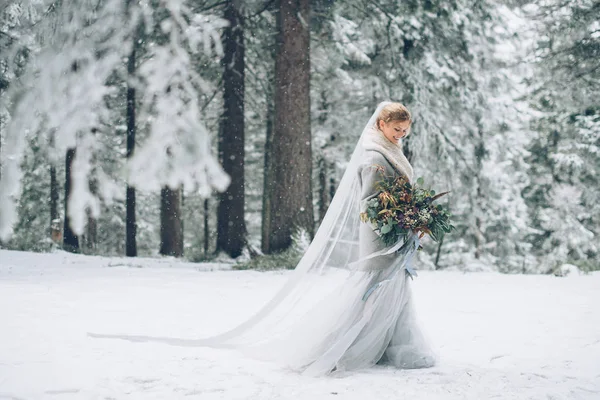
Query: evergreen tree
column 70, row 238
column 131, row 222
column 171, row 223
column 231, row 226
column 88, row 42
column 290, row 152
column 564, row 194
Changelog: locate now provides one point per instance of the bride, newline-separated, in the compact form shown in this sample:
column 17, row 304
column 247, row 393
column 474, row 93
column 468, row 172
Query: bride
column 348, row 304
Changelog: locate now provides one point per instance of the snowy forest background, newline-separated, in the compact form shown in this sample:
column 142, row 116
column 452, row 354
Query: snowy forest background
column 122, row 122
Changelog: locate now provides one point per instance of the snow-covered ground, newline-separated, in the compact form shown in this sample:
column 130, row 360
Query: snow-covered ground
column 498, row 336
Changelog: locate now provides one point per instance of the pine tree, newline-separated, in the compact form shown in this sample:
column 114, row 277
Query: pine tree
column 563, row 194
column 131, row 222
column 290, row 192
column 70, row 238
column 231, row 226
column 171, row 224
column 77, row 48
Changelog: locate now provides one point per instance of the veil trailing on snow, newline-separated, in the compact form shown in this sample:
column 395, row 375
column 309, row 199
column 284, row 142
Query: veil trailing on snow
column 334, row 247
column 331, row 290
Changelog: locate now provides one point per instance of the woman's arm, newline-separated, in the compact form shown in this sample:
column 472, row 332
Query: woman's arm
column 370, row 175
column 372, row 171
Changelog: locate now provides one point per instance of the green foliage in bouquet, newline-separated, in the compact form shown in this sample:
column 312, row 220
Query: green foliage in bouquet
column 401, row 207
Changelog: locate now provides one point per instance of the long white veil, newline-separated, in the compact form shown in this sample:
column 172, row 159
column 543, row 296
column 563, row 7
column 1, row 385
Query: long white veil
column 338, row 310
column 335, row 246
column 329, row 260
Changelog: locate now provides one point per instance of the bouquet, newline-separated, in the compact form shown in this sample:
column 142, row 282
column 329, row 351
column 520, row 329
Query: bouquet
column 401, row 208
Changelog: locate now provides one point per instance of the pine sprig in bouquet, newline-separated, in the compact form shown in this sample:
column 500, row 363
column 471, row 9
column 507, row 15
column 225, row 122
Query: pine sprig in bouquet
column 401, row 208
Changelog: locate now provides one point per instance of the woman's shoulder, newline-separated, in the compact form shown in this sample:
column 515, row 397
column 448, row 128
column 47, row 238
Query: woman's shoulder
column 373, row 158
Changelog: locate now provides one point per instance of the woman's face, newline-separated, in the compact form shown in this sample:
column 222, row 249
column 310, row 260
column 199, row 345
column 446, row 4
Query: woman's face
column 394, row 130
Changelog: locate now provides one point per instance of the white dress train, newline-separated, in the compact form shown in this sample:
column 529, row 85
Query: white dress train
column 369, row 319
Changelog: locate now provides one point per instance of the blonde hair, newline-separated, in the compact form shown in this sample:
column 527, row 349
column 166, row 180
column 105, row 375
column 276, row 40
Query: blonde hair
column 393, row 112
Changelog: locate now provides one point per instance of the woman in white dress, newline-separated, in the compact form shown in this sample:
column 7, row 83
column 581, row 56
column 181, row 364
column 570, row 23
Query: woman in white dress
column 369, row 318
column 348, row 304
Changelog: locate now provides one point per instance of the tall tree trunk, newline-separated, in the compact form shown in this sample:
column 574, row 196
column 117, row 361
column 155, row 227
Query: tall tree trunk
column 290, row 195
column 323, row 188
column 171, row 228
column 54, row 196
column 332, row 182
column 478, row 238
column 55, row 228
column 327, row 187
column 231, row 227
column 438, row 253
column 206, row 230
column 130, row 220
column 406, row 149
column 70, row 240
column 477, row 211
column 322, row 163
column 267, row 174
column 91, row 236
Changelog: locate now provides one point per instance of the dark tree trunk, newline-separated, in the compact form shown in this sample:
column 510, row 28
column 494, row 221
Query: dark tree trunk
column 267, row 175
column 171, row 232
column 406, row 149
column 91, row 235
column 130, row 220
column 130, row 224
column 70, row 240
column 54, row 196
column 332, row 183
column 55, row 228
column 323, row 188
column 182, row 205
column 322, row 164
column 480, row 155
column 438, row 253
column 478, row 238
column 327, row 186
column 231, row 227
column 206, row 230
column 290, row 195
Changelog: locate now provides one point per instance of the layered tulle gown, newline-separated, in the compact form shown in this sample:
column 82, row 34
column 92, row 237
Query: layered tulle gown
column 369, row 317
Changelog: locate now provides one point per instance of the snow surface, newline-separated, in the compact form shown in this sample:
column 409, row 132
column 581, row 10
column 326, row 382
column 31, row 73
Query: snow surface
column 498, row 336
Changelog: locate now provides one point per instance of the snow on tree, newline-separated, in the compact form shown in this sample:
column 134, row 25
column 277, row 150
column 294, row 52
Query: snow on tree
column 71, row 51
column 449, row 62
column 564, row 195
